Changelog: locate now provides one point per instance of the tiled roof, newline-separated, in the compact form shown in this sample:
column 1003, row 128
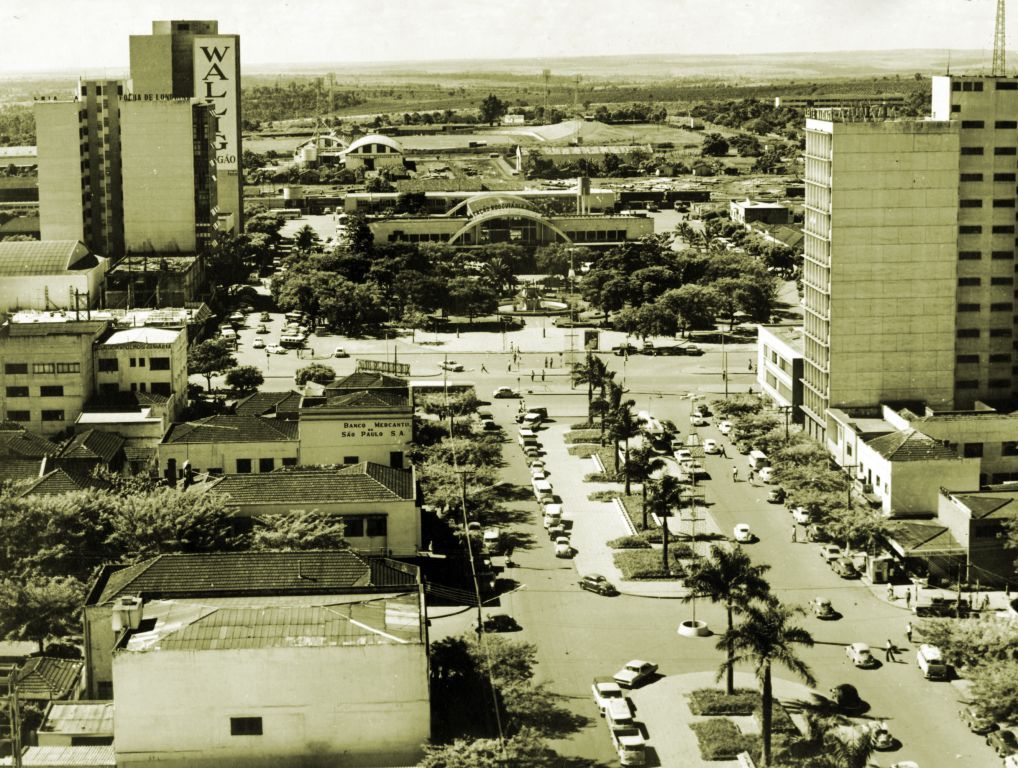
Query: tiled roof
column 63, row 480
column 364, row 482
column 369, row 399
column 16, row 470
column 917, row 538
column 238, row 573
column 43, row 678
column 101, row 756
column 139, row 453
column 266, row 403
column 79, row 718
column 93, row 444
column 227, row 428
column 910, row 445
column 16, row 441
column 366, row 380
column 43, row 257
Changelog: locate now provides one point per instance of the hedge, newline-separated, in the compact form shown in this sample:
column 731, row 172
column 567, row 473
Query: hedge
column 583, row 436
column 712, row 701
column 629, row 542
column 599, row 477
column 721, row 739
column 584, row 450
column 602, row 495
column 645, row 565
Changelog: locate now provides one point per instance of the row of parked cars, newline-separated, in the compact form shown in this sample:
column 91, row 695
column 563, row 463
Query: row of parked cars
column 617, row 710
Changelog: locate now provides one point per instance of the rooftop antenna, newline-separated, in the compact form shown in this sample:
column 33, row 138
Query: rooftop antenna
column 998, row 42
column 948, row 62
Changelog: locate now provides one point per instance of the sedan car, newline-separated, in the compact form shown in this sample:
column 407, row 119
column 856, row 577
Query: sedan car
column 595, row 582
column 264, row 317
column 710, row 445
column 634, row 673
column 976, row 721
column 500, row 622
column 452, row 365
column 505, row 393
column 340, row 352
column 766, row 474
column 845, row 568
column 830, row 552
column 536, row 464
column 262, row 328
column 562, row 547
column 846, row 698
column 822, row 608
column 801, row 516
column 742, row 533
column 258, row 344
column 776, row 495
column 537, row 473
column 697, row 420
column 683, row 454
column 880, row 736
column 275, row 349
column 605, row 691
column 1003, row 742
column 725, row 427
column 860, row 655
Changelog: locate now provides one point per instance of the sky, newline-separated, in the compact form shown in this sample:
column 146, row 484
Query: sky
column 92, row 35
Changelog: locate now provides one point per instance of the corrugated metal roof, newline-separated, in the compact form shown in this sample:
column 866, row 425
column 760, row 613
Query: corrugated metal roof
column 76, row 718
column 71, row 757
column 45, row 678
column 44, row 257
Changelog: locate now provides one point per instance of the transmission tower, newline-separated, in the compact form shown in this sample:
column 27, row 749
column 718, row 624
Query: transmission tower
column 998, row 42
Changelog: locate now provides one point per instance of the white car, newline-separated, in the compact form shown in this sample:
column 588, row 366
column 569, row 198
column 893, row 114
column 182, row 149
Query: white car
column 634, row 673
column 491, row 539
column 340, row 352
column 742, row 533
column 800, row 515
column 710, row 445
column 725, row 427
column 830, row 552
column 562, row 547
column 683, row 454
column 766, row 474
column 536, row 464
column 537, row 473
column 275, row 349
column 258, row 344
column 697, row 420
column 605, row 690
column 860, row 655
column 452, row 365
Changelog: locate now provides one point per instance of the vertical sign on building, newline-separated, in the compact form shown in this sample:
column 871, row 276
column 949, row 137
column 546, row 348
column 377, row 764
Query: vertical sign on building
column 217, row 80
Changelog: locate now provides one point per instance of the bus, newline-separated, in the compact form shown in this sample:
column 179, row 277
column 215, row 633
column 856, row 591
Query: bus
column 285, row 213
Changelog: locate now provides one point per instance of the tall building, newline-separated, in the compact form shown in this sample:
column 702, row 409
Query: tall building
column 880, row 266
column 190, row 58
column 80, row 195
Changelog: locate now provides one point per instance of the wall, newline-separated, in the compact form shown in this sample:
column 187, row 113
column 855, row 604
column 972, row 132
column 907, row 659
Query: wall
column 990, row 561
column 358, row 705
column 98, row 641
column 48, row 292
column 990, row 431
column 779, row 372
column 61, row 210
column 223, row 456
column 332, row 438
column 911, row 488
column 141, row 376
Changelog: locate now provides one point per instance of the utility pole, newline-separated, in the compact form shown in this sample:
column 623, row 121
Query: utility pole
column 848, row 468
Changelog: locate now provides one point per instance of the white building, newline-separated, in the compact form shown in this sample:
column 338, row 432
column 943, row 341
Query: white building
column 49, row 274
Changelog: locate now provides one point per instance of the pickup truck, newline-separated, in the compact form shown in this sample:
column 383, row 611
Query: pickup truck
column 629, row 743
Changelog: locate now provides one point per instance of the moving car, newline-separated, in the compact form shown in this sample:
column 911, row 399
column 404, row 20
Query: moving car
column 504, row 393
column 340, row 352
column 822, row 608
column 595, row 582
column 725, row 427
column 845, row 568
column 830, row 552
column 776, row 495
column 846, row 698
column 258, row 344
column 1002, row 742
column 710, row 445
column 860, row 655
column 275, row 349
column 605, row 690
column 634, row 673
column 262, row 328
column 452, row 366
column 976, row 721
column 491, row 426
column 766, row 474
column 500, row 622
column 562, row 547
column 742, row 533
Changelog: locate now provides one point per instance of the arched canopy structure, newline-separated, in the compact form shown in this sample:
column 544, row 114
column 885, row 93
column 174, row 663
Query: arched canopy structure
column 508, row 224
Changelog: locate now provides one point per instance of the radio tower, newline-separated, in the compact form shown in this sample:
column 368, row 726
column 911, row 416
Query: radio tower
column 998, row 42
column 546, row 74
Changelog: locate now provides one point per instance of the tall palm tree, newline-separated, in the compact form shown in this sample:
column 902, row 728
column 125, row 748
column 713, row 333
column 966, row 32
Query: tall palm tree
column 624, row 427
column 843, row 744
column 729, row 577
column 665, row 495
column 611, row 397
column 764, row 638
column 590, row 372
column 642, row 465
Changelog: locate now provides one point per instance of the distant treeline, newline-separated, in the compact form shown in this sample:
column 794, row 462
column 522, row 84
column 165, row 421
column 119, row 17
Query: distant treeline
column 295, row 99
column 17, row 126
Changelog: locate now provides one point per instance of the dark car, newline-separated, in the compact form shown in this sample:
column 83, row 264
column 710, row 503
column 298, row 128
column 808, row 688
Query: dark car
column 845, row 568
column 625, row 349
column 776, row 495
column 1003, row 742
column 691, row 349
column 595, row 582
column 975, row 720
column 670, row 426
column 846, row 698
column 500, row 622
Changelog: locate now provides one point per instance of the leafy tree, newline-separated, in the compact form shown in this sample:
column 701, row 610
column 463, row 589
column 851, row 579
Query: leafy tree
column 316, row 372
column 766, row 637
column 714, row 145
column 665, row 496
column 696, row 305
column 210, row 357
column 471, row 297
column 859, row 526
column 590, row 372
column 737, row 406
column 995, row 689
column 36, row 607
column 967, row 643
column 746, row 145
column 728, row 577
column 299, row 529
column 526, row 748
column 492, row 109
column 244, row 378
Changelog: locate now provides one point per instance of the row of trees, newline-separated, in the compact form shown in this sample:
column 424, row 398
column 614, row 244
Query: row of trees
column 637, row 162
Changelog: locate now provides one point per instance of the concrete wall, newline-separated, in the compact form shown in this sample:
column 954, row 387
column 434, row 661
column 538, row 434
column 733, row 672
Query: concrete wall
column 223, row 456
column 141, row 376
column 991, row 431
column 61, row 210
column 911, row 488
column 358, row 705
column 779, row 371
column 332, row 438
column 48, row 292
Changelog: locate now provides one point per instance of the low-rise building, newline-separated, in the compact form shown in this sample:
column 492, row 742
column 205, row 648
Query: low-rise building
column 752, row 211
column 163, row 280
column 50, row 274
column 146, row 360
column 352, row 427
column 229, row 444
column 76, row 723
column 779, row 354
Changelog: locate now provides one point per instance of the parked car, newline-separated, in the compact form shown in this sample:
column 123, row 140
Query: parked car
column 691, row 349
column 860, row 655
column 670, row 426
column 340, row 352
column 265, row 317
column 725, row 427
column 500, row 622
column 830, row 552
column 766, row 474
column 634, row 673
column 880, row 736
column 258, row 344
column 505, row 393
column 697, row 420
column 491, row 426
column 822, row 608
column 556, row 531
column 742, row 533
column 683, row 454
column 976, row 720
column 562, row 547
column 801, row 516
column 845, row 568
column 537, row 473
column 846, row 698
column 492, row 539
column 536, row 464
column 776, row 495
column 605, row 690
column 625, row 349
column 710, row 445
column 1003, row 742
column 275, row 349
column 743, row 447
column 595, row 582
column 931, row 662
column 262, row 328
column 452, row 366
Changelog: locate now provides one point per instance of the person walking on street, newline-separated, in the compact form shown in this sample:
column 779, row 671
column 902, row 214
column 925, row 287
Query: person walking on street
column 509, row 368
column 542, row 374
column 735, row 474
column 483, row 369
column 908, row 630
column 889, row 652
column 890, row 592
column 752, row 474
column 794, row 532
column 908, row 597
column 723, row 452
column 531, row 375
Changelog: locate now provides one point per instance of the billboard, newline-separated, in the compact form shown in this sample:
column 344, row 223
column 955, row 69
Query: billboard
column 217, row 81
column 384, row 366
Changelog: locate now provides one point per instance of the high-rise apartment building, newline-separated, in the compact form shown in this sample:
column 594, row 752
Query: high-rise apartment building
column 910, row 242
column 80, row 195
column 880, row 262
column 189, row 58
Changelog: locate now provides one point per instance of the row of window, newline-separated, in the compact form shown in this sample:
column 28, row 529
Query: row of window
column 974, row 384
column 977, row 255
column 969, row 281
column 27, row 415
column 996, row 177
column 155, row 387
column 997, row 306
column 154, row 363
column 14, row 369
column 977, row 85
column 55, row 391
column 1006, row 124
column 973, row 333
column 977, row 229
column 996, row 150
column 995, row 358
column 975, row 202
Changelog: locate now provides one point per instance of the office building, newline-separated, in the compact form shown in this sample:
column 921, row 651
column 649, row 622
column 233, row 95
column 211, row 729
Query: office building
column 190, row 59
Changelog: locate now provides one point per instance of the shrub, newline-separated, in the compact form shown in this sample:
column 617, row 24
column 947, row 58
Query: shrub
column 781, row 721
column 713, row 701
column 602, row 495
column 645, row 565
column 721, row 739
column 583, row 436
column 584, row 450
column 598, row 477
column 583, row 425
column 629, row 542
column 655, row 536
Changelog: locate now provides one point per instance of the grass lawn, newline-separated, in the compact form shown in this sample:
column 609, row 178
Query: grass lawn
column 645, row 565
column 574, row 436
column 721, row 739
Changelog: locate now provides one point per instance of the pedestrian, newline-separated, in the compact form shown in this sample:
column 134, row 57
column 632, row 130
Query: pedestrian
column 531, row 375
column 483, row 369
column 724, row 454
column 542, row 374
column 908, row 597
column 752, row 474
column 751, row 363
column 794, row 532
column 986, row 602
column 509, row 368
column 908, row 630
column 889, row 652
column 735, row 474
column 890, row 592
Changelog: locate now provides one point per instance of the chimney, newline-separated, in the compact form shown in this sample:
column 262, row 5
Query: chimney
column 127, row 612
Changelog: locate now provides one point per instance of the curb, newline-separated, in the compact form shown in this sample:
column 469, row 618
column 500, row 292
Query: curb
column 622, row 511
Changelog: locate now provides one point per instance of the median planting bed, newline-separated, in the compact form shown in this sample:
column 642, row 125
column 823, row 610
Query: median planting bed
column 645, row 565
column 720, row 739
column 711, row 701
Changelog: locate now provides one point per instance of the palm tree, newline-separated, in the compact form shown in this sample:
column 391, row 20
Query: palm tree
column 611, row 397
column 766, row 637
column 641, row 466
column 590, row 372
column 665, row 495
column 728, row 577
column 624, row 427
column 842, row 743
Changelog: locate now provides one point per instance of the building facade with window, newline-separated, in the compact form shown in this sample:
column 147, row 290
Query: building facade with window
column 148, row 360
column 779, row 366
column 229, row 444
